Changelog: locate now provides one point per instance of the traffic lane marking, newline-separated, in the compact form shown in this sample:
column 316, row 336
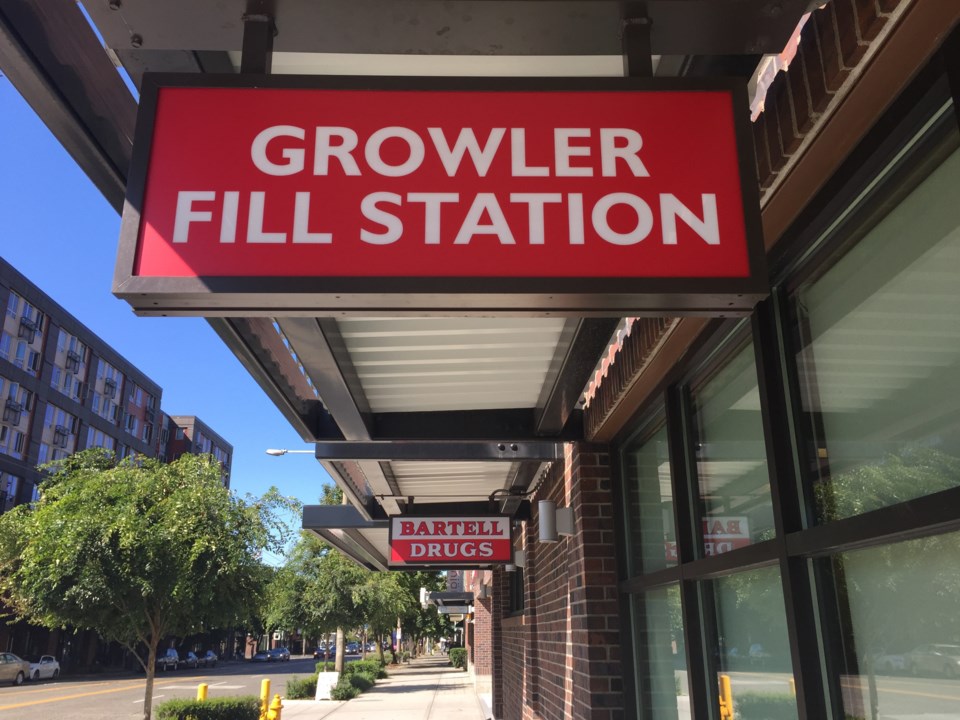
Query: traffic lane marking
column 74, row 696
column 904, row 692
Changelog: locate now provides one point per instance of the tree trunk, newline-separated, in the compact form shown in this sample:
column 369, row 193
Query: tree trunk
column 150, row 669
column 380, row 647
column 341, row 646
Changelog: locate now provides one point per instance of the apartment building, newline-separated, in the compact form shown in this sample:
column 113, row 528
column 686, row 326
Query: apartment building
column 63, row 389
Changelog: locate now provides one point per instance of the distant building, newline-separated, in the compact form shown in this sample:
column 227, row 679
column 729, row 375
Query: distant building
column 189, row 434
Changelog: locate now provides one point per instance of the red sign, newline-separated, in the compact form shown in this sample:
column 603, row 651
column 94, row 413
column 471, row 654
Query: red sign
column 359, row 183
column 450, row 541
column 720, row 535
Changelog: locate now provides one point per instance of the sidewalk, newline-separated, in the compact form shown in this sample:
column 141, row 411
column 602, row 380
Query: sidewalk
column 425, row 689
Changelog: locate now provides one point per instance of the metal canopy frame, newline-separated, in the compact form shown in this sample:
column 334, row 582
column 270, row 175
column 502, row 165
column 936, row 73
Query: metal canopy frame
column 54, row 58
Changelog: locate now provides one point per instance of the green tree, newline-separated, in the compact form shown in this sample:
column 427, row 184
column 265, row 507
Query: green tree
column 329, row 597
column 418, row 622
column 136, row 550
column 382, row 600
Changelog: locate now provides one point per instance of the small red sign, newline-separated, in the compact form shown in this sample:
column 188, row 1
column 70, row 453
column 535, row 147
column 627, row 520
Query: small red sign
column 450, row 541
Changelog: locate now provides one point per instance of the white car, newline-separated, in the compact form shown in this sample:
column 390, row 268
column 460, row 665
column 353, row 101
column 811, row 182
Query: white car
column 48, row 668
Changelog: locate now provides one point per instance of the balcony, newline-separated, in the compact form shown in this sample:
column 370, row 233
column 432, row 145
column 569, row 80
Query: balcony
column 73, row 362
column 12, row 412
column 60, row 436
column 28, row 330
column 109, row 388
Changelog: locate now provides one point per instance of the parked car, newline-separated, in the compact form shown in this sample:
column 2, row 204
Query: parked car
column 280, row 653
column 353, row 648
column 13, row 669
column 371, row 646
column 208, row 659
column 168, row 659
column 930, row 660
column 318, row 654
column 46, row 668
column 892, row 664
column 262, row 656
column 189, row 659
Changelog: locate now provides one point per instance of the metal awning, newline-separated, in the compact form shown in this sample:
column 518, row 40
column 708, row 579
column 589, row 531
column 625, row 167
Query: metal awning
column 405, row 413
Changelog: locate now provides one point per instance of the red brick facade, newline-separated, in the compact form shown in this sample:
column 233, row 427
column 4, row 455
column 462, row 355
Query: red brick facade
column 560, row 658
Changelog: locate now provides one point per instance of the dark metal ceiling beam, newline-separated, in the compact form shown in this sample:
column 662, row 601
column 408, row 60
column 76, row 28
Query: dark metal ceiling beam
column 439, row 451
column 316, row 517
column 52, row 56
column 518, row 482
column 457, row 27
column 582, row 343
column 321, row 350
column 518, row 425
column 355, row 547
column 262, row 353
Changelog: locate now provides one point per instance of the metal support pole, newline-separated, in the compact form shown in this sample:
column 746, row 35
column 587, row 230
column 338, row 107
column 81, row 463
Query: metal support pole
column 635, row 41
column 257, row 53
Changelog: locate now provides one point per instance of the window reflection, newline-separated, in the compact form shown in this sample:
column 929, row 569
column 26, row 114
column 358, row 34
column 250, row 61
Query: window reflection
column 650, row 520
column 732, row 459
column 878, row 350
column 900, row 649
column 753, row 650
column 663, row 692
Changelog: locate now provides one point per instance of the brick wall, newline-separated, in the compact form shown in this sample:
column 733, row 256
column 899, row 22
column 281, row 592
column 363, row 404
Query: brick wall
column 561, row 659
column 833, row 46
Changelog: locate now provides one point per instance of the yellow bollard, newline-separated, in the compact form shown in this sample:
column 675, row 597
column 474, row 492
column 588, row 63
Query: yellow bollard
column 202, row 692
column 264, row 697
column 726, row 698
column 793, row 687
column 275, row 707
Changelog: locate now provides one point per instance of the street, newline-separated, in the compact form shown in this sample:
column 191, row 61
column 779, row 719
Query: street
column 96, row 698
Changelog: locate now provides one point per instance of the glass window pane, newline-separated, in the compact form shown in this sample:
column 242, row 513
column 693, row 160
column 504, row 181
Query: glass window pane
column 650, row 526
column 877, row 344
column 901, row 637
column 732, row 458
column 753, row 648
column 663, row 692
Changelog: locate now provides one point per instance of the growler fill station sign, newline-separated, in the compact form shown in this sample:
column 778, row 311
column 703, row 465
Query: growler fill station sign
column 407, row 195
column 450, row 541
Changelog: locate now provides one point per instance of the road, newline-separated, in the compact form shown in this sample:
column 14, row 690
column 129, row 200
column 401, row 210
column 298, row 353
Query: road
column 122, row 696
column 899, row 698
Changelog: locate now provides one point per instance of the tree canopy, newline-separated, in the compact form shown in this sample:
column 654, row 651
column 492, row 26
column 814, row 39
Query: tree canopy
column 136, row 550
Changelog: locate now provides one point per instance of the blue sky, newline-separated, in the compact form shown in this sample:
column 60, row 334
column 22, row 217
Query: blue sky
column 58, row 230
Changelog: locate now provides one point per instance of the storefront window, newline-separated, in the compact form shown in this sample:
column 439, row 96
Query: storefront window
column 650, row 520
column 732, row 458
column 877, row 344
column 663, row 692
column 752, row 645
column 901, row 636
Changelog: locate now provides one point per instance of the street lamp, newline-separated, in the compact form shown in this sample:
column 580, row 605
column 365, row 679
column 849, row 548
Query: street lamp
column 277, row 453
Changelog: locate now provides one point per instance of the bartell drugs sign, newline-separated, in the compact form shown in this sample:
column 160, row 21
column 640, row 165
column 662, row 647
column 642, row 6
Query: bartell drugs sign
column 467, row 193
column 481, row 540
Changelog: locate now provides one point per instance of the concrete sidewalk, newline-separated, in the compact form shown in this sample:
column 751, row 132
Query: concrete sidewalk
column 426, row 689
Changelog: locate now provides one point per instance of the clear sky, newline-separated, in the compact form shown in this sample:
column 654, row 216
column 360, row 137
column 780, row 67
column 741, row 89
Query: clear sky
column 58, row 230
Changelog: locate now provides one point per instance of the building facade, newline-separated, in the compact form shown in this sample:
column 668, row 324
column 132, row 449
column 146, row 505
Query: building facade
column 63, row 389
column 189, row 434
column 766, row 514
